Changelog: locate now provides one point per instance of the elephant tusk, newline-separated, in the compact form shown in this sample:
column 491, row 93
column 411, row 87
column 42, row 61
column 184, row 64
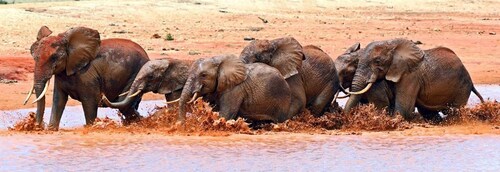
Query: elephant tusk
column 343, row 97
column 335, row 98
column 173, row 101
column 194, row 98
column 29, row 94
column 43, row 92
column 343, row 89
column 362, row 91
column 124, row 93
column 135, row 94
column 105, row 100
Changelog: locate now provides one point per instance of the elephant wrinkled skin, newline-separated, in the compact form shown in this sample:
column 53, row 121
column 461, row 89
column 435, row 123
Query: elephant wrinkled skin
column 433, row 80
column 256, row 91
column 84, row 67
column 308, row 70
column 164, row 76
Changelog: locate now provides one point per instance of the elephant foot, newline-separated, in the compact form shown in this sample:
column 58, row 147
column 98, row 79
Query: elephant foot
column 433, row 119
column 52, row 128
column 180, row 124
column 39, row 127
column 131, row 119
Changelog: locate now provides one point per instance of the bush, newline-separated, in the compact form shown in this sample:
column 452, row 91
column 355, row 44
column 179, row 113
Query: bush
column 169, row 37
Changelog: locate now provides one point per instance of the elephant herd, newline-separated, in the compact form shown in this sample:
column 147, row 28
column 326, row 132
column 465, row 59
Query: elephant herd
column 271, row 80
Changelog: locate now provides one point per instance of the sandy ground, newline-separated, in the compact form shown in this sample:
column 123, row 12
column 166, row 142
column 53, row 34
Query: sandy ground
column 206, row 28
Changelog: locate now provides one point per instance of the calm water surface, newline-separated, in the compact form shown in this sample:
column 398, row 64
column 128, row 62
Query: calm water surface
column 249, row 153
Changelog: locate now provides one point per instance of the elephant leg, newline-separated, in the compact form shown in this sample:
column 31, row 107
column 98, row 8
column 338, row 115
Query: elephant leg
column 130, row 113
column 322, row 101
column 430, row 114
column 90, row 110
column 379, row 95
column 230, row 105
column 298, row 95
column 59, row 103
column 406, row 96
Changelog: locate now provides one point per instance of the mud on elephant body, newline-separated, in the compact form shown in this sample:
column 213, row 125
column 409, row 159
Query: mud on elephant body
column 84, row 67
column 163, row 76
column 308, row 70
column 380, row 94
column 253, row 91
column 432, row 80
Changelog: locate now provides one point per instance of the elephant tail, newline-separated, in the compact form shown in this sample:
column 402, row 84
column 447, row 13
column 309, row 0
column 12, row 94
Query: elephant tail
column 477, row 94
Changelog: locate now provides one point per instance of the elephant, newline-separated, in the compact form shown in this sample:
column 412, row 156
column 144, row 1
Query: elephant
column 84, row 66
column 432, row 80
column 254, row 91
column 163, row 76
column 308, row 70
column 380, row 94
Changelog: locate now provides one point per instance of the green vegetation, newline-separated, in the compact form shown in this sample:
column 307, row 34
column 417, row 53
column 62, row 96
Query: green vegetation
column 3, row 2
column 169, row 37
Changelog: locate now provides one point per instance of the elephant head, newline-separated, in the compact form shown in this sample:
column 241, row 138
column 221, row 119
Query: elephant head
column 285, row 54
column 164, row 76
column 387, row 60
column 346, row 65
column 211, row 76
column 64, row 54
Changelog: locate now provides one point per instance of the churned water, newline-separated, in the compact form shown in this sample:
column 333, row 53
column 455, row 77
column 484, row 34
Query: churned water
column 98, row 151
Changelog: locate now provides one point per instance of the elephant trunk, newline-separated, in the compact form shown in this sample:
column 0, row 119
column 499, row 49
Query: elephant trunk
column 132, row 95
column 359, row 83
column 119, row 105
column 187, row 93
column 40, row 89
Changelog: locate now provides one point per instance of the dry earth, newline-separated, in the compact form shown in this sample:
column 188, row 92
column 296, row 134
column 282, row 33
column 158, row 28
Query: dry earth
column 206, row 28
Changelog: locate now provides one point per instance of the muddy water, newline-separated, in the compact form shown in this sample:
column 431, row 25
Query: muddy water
column 249, row 153
column 73, row 115
column 68, row 151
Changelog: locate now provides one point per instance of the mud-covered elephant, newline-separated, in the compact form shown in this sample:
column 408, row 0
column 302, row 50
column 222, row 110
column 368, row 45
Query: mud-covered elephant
column 255, row 91
column 380, row 94
column 432, row 80
column 84, row 66
column 164, row 76
column 308, row 70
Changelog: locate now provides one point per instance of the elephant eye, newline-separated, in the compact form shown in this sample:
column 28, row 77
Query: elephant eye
column 203, row 75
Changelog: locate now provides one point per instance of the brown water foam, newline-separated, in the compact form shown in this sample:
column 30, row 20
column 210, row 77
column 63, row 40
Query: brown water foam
column 201, row 120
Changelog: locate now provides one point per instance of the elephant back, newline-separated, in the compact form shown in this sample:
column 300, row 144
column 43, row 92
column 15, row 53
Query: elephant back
column 318, row 71
column 118, row 62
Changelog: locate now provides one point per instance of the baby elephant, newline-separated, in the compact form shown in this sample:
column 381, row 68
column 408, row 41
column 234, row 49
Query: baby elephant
column 164, row 76
column 254, row 91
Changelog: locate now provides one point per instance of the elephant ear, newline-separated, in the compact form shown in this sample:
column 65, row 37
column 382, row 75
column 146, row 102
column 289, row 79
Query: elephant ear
column 232, row 71
column 43, row 32
column 174, row 76
column 83, row 45
column 353, row 48
column 288, row 56
column 406, row 57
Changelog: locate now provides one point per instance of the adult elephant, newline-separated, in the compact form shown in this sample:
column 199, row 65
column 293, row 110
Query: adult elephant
column 380, row 94
column 256, row 91
column 308, row 70
column 84, row 67
column 164, row 76
column 432, row 80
